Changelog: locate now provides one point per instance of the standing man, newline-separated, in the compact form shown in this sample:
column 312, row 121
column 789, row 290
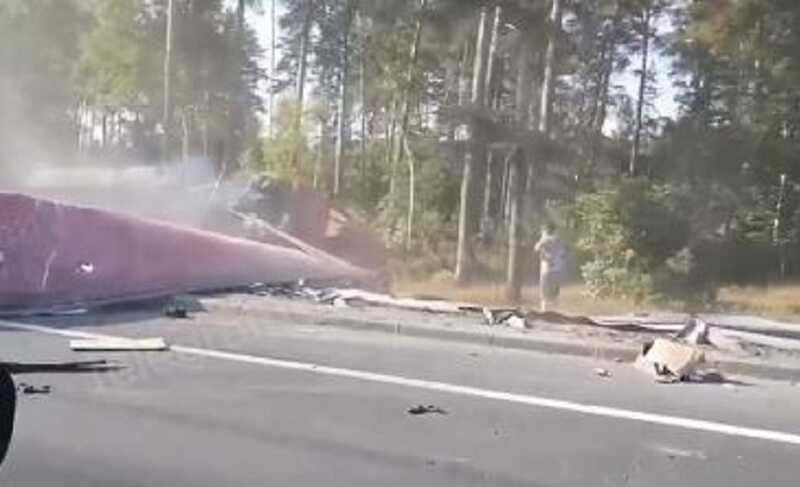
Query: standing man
column 552, row 266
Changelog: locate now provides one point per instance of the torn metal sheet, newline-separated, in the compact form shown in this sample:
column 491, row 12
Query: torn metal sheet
column 57, row 255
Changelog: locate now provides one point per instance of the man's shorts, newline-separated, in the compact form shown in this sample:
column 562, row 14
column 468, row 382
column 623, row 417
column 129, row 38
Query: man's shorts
column 550, row 284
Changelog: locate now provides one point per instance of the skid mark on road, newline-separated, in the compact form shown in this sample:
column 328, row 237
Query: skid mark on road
column 541, row 402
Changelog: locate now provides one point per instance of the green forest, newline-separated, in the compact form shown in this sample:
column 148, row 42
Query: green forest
column 455, row 127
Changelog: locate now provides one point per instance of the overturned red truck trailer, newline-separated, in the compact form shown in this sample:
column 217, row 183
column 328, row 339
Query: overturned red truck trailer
column 55, row 255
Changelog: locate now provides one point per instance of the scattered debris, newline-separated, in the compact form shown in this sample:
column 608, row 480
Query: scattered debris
column 517, row 322
column 695, row 332
column 669, row 360
column 604, row 373
column 176, row 311
column 512, row 318
column 420, row 409
column 58, row 367
column 113, row 344
column 31, row 389
column 357, row 296
column 675, row 453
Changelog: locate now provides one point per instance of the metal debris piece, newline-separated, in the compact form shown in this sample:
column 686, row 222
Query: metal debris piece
column 604, row 373
column 31, row 389
column 430, row 409
column 669, row 360
column 113, row 344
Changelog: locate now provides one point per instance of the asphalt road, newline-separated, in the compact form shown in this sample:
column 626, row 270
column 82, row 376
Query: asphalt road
column 263, row 415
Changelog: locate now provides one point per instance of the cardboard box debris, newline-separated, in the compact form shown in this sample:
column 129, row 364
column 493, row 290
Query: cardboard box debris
column 119, row 345
column 668, row 360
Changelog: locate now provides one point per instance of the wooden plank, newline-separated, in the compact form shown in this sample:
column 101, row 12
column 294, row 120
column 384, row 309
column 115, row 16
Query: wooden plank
column 119, row 345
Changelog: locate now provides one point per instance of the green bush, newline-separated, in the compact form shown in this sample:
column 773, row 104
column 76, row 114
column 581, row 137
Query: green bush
column 632, row 236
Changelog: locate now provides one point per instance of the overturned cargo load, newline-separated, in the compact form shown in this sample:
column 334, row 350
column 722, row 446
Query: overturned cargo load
column 55, row 255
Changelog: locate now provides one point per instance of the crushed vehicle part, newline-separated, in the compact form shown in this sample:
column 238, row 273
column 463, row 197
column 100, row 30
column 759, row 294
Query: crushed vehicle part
column 669, row 360
column 59, row 255
column 119, row 345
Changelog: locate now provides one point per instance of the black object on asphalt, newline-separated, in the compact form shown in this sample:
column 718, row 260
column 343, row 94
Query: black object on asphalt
column 8, row 406
column 29, row 389
column 420, row 409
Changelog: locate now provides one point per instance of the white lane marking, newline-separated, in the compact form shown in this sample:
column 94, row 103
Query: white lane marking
column 542, row 402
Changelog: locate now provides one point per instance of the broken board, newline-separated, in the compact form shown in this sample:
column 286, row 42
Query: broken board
column 119, row 345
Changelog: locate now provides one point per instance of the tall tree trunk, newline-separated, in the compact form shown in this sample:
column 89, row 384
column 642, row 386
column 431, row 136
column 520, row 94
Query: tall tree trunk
column 185, row 139
column 344, row 105
column 412, row 197
column 516, row 190
column 362, row 86
column 537, row 169
column 391, row 141
column 166, row 119
column 320, row 154
column 498, row 14
column 236, row 124
column 600, row 106
column 474, row 162
column 548, row 83
column 401, row 144
column 272, row 65
column 633, row 165
column 204, row 124
column 104, row 128
column 487, row 102
column 516, row 184
column 405, row 109
column 305, row 39
column 302, row 67
column 463, row 80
